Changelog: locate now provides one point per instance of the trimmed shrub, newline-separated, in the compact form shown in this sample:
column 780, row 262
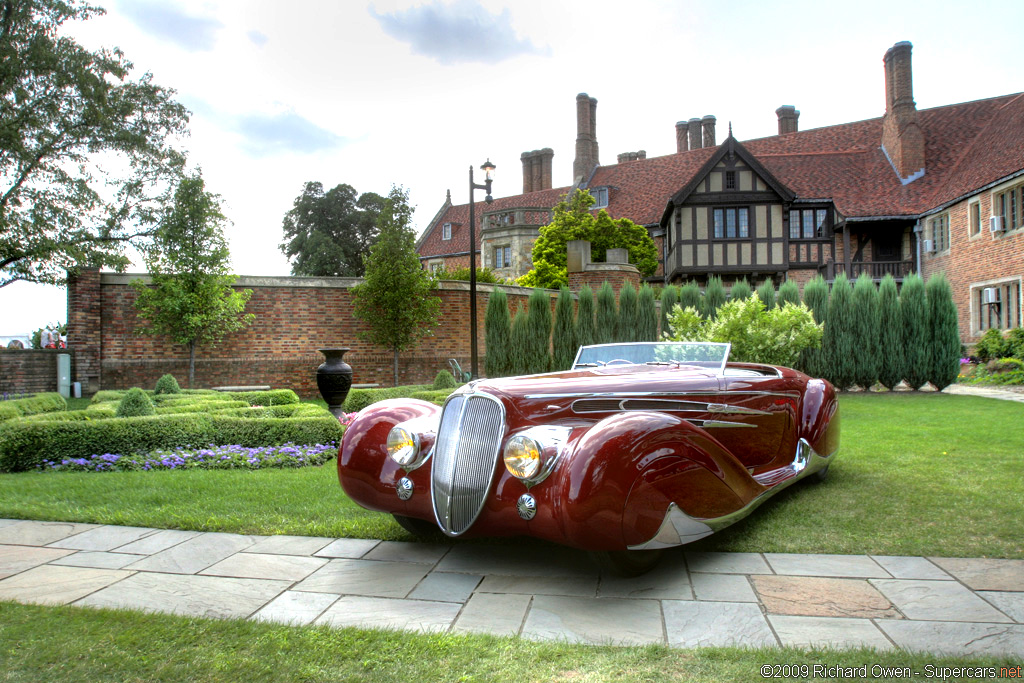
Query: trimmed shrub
column 585, row 317
column 66, row 416
column 538, row 322
column 437, row 397
column 1015, row 340
column 358, row 399
column 286, row 410
column 714, row 297
column 519, row 356
column 444, row 380
column 114, row 395
column 629, row 316
column 135, row 404
column 865, row 330
column 914, row 312
column 606, row 327
column 891, row 367
column 669, row 298
column 563, row 339
column 274, row 397
column 647, row 328
column 182, row 408
column 812, row 361
column 50, row 402
column 497, row 335
column 944, row 337
column 740, row 291
column 789, row 292
column 766, row 293
column 167, row 385
column 25, row 445
column 690, row 296
column 839, row 342
column 991, row 345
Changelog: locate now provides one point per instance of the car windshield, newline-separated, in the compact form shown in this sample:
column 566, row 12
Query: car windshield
column 699, row 354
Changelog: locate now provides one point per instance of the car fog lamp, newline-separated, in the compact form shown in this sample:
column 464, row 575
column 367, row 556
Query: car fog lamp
column 522, row 457
column 403, row 446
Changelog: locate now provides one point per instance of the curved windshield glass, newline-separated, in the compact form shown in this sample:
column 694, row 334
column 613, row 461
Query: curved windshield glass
column 700, row 354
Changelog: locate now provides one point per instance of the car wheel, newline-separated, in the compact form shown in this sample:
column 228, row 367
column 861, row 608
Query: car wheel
column 822, row 474
column 418, row 527
column 626, row 563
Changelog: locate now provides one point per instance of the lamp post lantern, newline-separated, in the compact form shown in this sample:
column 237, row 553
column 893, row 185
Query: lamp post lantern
column 488, row 169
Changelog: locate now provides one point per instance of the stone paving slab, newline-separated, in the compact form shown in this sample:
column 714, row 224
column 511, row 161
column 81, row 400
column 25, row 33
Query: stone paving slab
column 296, row 608
column 198, row 596
column 597, row 621
column 366, row 578
column 985, row 574
column 264, row 566
column 17, row 558
column 1009, row 603
column 351, row 548
column 668, row 581
column 937, row 601
column 822, row 597
column 493, row 613
column 445, row 587
column 517, row 561
column 98, row 560
column 956, row 638
column 911, row 568
column 840, row 566
column 103, row 538
column 9, row 522
column 708, row 624
column 539, row 585
column 40, row 533
column 195, row 554
column 723, row 588
column 424, row 553
column 161, row 540
column 51, row 585
column 289, row 545
column 413, row 615
column 836, row 632
column 728, row 563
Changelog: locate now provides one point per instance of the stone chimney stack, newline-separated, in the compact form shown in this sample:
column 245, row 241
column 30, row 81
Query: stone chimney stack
column 632, row 156
column 708, row 125
column 586, row 138
column 902, row 137
column 537, row 169
column 693, row 128
column 788, row 117
column 682, row 143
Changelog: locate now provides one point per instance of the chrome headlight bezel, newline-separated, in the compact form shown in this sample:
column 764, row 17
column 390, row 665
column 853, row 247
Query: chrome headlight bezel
column 403, row 446
column 547, row 443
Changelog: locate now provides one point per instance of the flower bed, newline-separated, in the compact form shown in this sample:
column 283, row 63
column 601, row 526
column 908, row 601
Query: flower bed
column 211, row 458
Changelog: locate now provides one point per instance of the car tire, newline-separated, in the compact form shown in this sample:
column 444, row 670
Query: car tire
column 822, row 474
column 626, row 563
column 420, row 528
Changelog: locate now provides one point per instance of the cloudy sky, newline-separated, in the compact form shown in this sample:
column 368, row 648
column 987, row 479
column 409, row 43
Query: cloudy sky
column 413, row 93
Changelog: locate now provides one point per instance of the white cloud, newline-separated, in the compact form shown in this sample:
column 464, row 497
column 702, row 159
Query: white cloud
column 193, row 33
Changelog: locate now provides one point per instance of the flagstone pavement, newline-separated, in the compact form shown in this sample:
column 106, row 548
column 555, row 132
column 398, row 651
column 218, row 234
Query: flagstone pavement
column 936, row 605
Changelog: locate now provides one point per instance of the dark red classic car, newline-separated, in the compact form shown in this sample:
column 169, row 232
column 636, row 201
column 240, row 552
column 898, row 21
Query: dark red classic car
column 639, row 447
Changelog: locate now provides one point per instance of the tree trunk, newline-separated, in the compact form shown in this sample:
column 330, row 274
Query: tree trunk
column 191, row 363
column 396, row 366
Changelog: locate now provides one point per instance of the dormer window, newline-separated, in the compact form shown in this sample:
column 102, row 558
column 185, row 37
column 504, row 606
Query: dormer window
column 600, row 194
column 446, row 231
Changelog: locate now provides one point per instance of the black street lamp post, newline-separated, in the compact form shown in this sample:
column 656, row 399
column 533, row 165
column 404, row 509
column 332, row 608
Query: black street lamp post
column 488, row 169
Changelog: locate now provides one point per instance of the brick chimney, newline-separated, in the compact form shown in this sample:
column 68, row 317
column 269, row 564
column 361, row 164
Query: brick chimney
column 693, row 128
column 682, row 143
column 537, row 169
column 708, row 125
column 632, row 156
column 586, row 138
column 788, row 117
column 902, row 137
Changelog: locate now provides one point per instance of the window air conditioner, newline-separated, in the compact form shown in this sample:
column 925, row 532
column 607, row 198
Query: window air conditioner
column 990, row 295
column 929, row 246
column 995, row 223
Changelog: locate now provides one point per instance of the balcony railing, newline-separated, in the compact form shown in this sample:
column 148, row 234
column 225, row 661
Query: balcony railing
column 875, row 269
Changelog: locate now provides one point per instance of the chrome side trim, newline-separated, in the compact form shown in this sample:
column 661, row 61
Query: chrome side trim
column 726, row 409
column 712, row 424
column 678, row 528
column 632, row 394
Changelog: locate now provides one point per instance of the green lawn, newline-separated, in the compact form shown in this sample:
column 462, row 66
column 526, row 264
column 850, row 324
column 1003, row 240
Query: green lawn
column 76, row 644
column 921, row 474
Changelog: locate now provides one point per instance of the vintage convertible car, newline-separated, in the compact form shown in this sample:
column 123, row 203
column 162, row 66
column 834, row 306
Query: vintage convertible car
column 638, row 447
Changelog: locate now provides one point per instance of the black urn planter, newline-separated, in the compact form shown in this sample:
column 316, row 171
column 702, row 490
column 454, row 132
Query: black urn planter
column 334, row 379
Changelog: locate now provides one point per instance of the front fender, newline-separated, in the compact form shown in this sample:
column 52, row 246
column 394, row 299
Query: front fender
column 819, row 423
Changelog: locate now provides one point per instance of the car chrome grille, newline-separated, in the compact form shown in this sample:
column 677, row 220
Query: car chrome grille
column 464, row 458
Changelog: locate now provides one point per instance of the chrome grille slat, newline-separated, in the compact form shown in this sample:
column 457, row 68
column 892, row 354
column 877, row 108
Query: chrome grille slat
column 464, row 458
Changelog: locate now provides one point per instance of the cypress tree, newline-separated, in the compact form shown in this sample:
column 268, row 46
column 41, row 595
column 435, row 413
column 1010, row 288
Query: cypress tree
column 812, row 361
column 914, row 311
column 647, row 329
column 789, row 292
column 607, row 322
column 714, row 297
column 563, row 339
column 538, row 319
column 690, row 297
column 865, row 321
column 585, row 317
column 944, row 333
column 838, row 341
column 519, row 356
column 890, row 334
column 629, row 315
column 497, row 335
column 740, row 290
column 669, row 298
column 766, row 293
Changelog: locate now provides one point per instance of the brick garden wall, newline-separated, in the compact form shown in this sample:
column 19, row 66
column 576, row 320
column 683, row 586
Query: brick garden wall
column 30, row 371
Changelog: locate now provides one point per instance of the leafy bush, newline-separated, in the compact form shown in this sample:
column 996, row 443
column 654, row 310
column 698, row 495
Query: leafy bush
column 669, row 298
column 740, row 291
column 444, row 380
column 25, row 445
column 788, row 291
column 766, row 292
column 50, row 402
column 135, row 404
column 483, row 275
column 714, row 297
column 991, row 345
column 436, row 397
column 1003, row 371
column 1016, row 342
column 690, row 296
column 497, row 333
column 167, row 385
column 360, row 398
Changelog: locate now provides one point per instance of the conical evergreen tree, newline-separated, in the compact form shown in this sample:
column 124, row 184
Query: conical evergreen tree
column 865, row 319
column 607, row 322
column 669, row 298
column 766, row 292
column 714, row 297
column 563, row 339
column 647, row 318
column 629, row 315
column 497, row 335
column 914, row 311
column 812, row 361
column 788, row 292
column 519, row 358
column 538, row 320
column 690, row 297
column 890, row 334
column 740, row 290
column 838, row 340
column 944, row 333
column 585, row 317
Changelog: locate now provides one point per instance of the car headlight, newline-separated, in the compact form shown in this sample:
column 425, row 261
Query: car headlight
column 403, row 446
column 523, row 457
column 532, row 454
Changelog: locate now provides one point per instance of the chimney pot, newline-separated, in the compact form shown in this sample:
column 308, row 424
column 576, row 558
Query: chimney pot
column 788, row 119
column 708, row 124
column 693, row 128
column 682, row 143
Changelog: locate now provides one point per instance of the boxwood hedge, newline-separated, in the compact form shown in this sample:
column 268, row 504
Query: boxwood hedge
column 40, row 403
column 272, row 397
